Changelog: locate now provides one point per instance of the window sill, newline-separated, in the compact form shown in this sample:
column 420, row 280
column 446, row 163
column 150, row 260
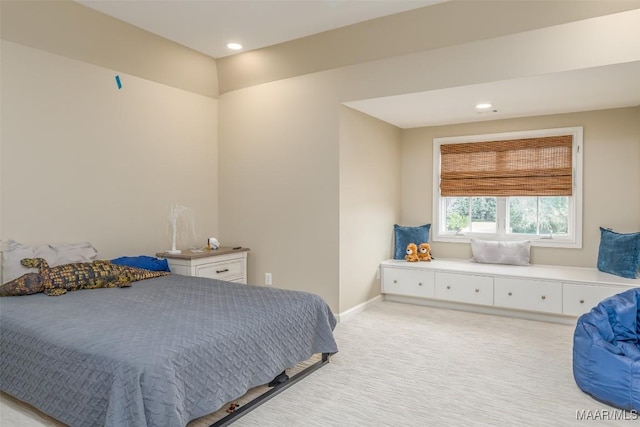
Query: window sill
column 537, row 242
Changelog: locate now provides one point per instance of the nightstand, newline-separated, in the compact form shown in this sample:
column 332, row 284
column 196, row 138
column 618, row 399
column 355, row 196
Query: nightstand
column 224, row 263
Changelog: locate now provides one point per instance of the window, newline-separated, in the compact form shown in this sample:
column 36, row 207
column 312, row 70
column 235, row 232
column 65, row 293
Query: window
column 519, row 185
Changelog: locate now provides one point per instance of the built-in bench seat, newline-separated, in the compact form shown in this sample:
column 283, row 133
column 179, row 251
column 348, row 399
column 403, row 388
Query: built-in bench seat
column 541, row 292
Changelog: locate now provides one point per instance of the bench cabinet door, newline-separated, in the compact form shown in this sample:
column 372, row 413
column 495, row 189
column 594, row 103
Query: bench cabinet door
column 578, row 298
column 402, row 281
column 526, row 294
column 467, row 288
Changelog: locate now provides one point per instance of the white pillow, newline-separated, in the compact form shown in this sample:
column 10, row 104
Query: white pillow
column 494, row 252
column 67, row 253
column 54, row 254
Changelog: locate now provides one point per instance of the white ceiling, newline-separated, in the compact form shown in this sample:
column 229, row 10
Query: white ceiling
column 208, row 25
column 596, row 88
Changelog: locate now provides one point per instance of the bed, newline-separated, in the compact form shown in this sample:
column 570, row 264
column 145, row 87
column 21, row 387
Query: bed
column 162, row 352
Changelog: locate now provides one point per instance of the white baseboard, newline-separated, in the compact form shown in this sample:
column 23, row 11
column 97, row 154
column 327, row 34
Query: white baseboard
column 348, row 314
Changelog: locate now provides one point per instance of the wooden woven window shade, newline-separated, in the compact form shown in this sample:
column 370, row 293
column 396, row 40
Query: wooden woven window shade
column 521, row 167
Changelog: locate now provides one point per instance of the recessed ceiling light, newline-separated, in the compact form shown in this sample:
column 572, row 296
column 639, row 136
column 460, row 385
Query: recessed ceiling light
column 234, row 46
column 483, row 106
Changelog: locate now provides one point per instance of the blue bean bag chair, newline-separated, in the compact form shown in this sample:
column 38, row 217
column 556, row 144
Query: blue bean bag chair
column 606, row 351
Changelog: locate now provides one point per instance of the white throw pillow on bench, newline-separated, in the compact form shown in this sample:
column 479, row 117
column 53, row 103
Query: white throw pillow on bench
column 495, row 252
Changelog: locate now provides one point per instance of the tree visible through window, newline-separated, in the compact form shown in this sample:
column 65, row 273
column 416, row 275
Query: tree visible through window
column 471, row 214
column 538, row 215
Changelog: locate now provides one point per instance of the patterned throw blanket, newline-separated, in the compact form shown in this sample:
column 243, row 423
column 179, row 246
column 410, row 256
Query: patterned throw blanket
column 72, row 277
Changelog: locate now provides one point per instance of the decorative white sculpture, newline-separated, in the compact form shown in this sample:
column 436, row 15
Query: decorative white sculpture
column 174, row 214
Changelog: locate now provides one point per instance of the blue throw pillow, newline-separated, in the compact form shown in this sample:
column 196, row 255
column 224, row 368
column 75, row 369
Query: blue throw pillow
column 405, row 235
column 619, row 254
column 143, row 261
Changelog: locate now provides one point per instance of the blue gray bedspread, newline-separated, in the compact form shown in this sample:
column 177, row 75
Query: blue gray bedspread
column 161, row 353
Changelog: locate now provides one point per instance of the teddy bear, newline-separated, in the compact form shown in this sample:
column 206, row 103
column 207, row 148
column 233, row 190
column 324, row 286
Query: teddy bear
column 412, row 253
column 424, row 252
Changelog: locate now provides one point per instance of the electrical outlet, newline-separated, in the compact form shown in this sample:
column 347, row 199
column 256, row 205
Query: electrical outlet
column 267, row 279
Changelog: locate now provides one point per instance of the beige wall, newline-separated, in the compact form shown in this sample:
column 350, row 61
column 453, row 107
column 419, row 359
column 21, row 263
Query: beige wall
column 279, row 188
column 611, row 191
column 370, row 178
column 70, row 29
column 82, row 160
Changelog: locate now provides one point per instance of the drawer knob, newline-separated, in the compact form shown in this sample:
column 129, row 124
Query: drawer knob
column 581, row 301
column 477, row 290
column 419, row 283
column 510, row 293
column 222, row 271
column 448, row 286
column 395, row 281
column 544, row 297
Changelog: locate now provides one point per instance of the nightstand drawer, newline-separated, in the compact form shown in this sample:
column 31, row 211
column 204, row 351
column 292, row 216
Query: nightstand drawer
column 221, row 270
column 223, row 263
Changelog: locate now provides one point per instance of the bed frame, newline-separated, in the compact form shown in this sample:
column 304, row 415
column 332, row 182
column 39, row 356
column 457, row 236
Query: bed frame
column 279, row 384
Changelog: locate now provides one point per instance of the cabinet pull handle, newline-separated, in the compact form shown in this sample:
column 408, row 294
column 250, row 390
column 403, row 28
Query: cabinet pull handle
column 510, row 293
column 581, row 301
column 477, row 290
column 448, row 286
column 222, row 271
column 544, row 297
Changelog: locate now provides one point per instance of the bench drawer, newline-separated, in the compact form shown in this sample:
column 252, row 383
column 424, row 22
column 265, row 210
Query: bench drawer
column 402, row 281
column 526, row 294
column 578, row 299
column 467, row 288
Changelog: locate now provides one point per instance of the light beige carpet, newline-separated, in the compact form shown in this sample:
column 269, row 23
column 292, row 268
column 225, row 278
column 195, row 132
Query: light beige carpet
column 405, row 365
